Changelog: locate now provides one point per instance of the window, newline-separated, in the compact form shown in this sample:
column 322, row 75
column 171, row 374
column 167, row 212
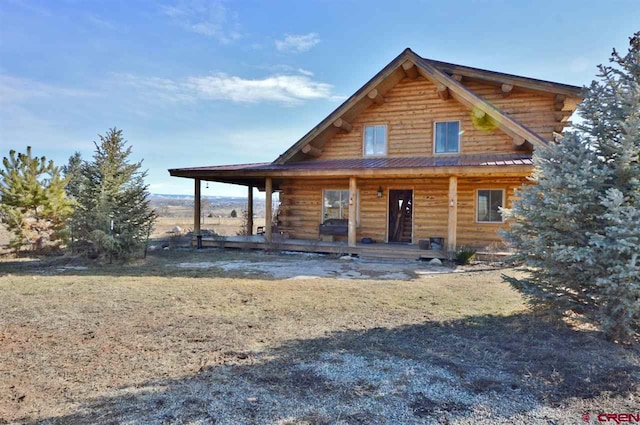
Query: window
column 375, row 140
column 489, row 204
column 447, row 137
column 335, row 204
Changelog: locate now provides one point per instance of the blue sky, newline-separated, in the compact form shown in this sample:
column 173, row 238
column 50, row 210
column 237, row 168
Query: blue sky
column 204, row 82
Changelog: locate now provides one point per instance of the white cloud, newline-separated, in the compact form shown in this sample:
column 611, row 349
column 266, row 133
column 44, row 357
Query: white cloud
column 163, row 88
column 305, row 72
column 278, row 88
column 210, row 18
column 297, row 43
column 15, row 90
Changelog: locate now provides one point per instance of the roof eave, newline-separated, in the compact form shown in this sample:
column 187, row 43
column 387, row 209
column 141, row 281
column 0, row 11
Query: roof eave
column 467, row 170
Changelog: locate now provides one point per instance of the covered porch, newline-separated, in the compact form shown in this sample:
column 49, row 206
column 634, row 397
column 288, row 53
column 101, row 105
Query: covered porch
column 437, row 194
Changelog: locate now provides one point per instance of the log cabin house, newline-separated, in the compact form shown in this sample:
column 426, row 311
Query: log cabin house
column 420, row 159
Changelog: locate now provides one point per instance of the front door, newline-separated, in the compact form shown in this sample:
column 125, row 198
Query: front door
column 400, row 215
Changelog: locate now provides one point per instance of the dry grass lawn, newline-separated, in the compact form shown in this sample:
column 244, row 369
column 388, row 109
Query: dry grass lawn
column 149, row 344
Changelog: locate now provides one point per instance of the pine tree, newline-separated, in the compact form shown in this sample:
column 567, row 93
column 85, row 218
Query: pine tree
column 578, row 228
column 33, row 202
column 114, row 216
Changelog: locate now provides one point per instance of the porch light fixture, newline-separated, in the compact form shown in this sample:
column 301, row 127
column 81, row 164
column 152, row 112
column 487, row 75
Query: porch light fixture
column 379, row 191
column 207, row 185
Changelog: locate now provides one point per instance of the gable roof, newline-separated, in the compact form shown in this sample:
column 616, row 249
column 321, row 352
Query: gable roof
column 441, row 74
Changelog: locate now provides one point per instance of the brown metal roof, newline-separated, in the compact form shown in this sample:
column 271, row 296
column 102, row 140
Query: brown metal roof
column 502, row 160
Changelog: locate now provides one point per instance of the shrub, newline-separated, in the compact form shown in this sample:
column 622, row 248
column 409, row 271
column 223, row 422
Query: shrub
column 465, row 255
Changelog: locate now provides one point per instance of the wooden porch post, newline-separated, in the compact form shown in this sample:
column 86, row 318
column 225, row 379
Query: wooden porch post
column 196, row 208
column 353, row 199
column 453, row 213
column 268, row 189
column 250, row 211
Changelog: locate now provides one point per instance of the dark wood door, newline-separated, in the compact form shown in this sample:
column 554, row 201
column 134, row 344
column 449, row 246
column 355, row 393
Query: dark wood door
column 400, row 215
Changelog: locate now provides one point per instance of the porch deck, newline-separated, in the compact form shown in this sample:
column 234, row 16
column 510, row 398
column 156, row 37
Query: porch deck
column 374, row 250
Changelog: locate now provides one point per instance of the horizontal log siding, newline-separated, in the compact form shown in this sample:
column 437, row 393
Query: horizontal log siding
column 301, row 207
column 535, row 110
column 413, row 106
column 481, row 235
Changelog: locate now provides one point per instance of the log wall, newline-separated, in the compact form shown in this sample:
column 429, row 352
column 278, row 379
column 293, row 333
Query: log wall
column 412, row 107
column 301, row 207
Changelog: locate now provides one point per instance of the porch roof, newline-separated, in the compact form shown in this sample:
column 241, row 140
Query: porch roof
column 368, row 167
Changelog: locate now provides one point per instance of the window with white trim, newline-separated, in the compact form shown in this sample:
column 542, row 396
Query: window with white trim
column 489, row 203
column 375, row 140
column 447, row 137
column 335, row 204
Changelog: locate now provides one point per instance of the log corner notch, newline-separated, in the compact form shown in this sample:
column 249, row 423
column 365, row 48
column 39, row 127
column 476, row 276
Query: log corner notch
column 443, row 91
column 410, row 70
column 519, row 141
column 376, row 96
column 559, row 102
column 506, row 89
column 343, row 125
column 311, row 151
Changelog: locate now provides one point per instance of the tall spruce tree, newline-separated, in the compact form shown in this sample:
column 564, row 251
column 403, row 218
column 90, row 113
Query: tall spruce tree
column 33, row 202
column 72, row 172
column 578, row 229
column 114, row 216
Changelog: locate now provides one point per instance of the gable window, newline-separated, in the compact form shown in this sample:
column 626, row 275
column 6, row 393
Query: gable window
column 375, row 140
column 489, row 203
column 335, row 204
column 447, row 137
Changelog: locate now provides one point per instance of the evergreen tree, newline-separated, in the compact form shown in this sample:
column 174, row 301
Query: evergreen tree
column 33, row 203
column 73, row 174
column 113, row 214
column 578, row 228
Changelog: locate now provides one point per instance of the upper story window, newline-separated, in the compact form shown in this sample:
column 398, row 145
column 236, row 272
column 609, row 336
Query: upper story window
column 447, row 137
column 375, row 140
column 489, row 203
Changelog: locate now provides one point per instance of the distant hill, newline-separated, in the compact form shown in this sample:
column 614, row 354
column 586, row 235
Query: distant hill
column 217, row 204
column 159, row 196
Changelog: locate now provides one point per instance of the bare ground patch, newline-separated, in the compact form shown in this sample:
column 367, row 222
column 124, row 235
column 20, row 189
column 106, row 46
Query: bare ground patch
column 147, row 343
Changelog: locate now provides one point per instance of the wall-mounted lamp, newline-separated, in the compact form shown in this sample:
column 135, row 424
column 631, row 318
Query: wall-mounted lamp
column 379, row 191
column 207, row 185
